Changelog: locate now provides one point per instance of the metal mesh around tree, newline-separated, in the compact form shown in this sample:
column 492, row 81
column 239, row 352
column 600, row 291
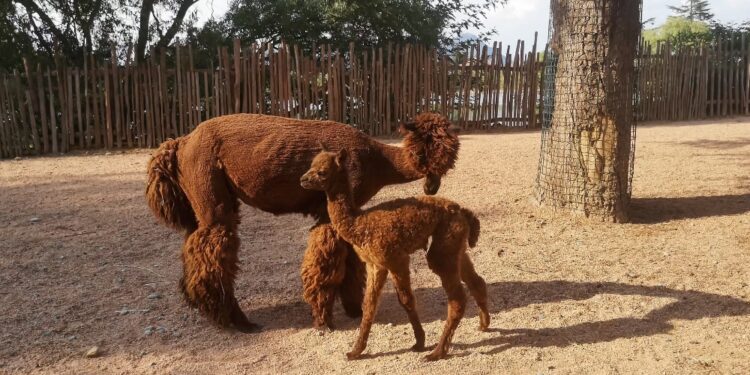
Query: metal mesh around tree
column 588, row 108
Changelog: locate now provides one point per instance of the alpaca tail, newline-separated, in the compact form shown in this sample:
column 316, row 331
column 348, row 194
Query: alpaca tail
column 473, row 226
column 165, row 197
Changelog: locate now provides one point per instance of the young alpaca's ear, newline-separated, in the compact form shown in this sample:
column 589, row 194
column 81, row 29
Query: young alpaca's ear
column 341, row 157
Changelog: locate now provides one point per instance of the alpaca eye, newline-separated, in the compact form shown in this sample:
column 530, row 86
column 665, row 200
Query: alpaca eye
column 321, row 174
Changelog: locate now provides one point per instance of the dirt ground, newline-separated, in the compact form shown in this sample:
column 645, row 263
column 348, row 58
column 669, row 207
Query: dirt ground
column 83, row 264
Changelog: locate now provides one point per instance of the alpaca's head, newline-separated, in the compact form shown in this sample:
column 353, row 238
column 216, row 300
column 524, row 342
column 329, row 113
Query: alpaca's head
column 433, row 144
column 327, row 169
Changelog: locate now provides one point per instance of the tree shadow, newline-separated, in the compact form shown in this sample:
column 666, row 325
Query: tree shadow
column 505, row 296
column 715, row 144
column 659, row 210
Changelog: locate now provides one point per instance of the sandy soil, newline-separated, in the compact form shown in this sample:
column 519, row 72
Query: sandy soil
column 84, row 264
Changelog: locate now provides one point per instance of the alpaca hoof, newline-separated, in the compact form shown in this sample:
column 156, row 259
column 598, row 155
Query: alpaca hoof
column 353, row 355
column 484, row 322
column 418, row 347
column 322, row 328
column 433, row 357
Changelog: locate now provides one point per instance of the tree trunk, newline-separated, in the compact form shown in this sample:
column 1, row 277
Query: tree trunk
column 585, row 163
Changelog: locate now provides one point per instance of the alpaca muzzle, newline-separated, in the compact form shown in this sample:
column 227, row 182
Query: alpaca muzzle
column 431, row 184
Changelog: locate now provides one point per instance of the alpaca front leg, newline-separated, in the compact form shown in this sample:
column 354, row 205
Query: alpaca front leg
column 375, row 281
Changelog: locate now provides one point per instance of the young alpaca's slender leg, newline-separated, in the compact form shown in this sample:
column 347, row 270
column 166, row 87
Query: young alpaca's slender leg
column 443, row 259
column 375, row 280
column 477, row 288
column 402, row 284
column 323, row 269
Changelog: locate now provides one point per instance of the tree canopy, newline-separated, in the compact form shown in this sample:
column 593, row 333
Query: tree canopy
column 41, row 29
column 679, row 31
column 694, row 10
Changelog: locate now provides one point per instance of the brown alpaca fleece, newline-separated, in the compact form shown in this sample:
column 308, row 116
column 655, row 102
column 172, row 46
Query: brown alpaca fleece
column 194, row 183
column 436, row 152
column 385, row 235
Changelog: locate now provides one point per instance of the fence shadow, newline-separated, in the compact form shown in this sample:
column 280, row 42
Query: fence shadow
column 504, row 296
column 659, row 210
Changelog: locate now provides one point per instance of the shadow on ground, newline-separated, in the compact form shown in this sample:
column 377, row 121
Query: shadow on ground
column 505, row 296
column 714, row 144
column 658, row 210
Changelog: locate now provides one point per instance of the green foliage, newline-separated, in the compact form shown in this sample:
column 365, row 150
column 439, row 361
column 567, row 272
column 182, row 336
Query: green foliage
column 367, row 23
column 679, row 32
column 694, row 10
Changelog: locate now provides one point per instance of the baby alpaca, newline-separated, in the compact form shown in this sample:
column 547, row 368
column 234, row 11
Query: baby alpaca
column 385, row 235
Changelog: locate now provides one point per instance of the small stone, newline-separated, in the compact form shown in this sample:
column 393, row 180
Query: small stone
column 93, row 352
column 34, row 220
column 538, row 356
column 154, row 295
column 107, row 153
column 18, row 158
column 389, row 325
column 72, row 337
column 500, row 252
column 148, row 331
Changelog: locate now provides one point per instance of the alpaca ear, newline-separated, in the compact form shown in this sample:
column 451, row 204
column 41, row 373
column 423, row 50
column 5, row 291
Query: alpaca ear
column 409, row 126
column 322, row 146
column 341, row 157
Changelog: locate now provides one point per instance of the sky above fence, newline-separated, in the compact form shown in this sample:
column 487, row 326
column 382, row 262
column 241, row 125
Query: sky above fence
column 519, row 19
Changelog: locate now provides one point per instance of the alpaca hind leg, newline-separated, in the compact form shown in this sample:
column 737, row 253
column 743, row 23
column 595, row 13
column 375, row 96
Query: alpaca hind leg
column 352, row 288
column 209, row 255
column 209, row 258
column 323, row 269
column 477, row 288
column 375, row 280
column 402, row 283
column 443, row 259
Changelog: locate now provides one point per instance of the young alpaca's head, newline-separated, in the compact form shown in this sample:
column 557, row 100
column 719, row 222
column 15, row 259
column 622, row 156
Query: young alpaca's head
column 327, row 169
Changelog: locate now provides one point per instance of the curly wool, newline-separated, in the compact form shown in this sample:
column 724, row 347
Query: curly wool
column 432, row 143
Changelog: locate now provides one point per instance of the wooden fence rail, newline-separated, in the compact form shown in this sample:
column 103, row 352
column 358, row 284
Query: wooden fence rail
column 694, row 83
column 115, row 104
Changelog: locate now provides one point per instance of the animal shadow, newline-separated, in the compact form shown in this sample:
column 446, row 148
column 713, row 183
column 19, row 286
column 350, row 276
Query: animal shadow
column 505, row 296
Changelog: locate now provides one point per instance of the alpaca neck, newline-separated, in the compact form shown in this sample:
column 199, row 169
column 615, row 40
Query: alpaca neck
column 341, row 208
column 397, row 166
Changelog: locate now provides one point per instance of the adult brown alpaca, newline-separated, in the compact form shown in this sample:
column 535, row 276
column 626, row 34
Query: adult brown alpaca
column 195, row 181
column 385, row 235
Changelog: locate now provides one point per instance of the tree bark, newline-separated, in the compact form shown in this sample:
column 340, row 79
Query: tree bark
column 146, row 10
column 145, row 17
column 586, row 152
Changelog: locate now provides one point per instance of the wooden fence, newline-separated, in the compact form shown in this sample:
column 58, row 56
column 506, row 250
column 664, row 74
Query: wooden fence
column 114, row 104
column 694, row 83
